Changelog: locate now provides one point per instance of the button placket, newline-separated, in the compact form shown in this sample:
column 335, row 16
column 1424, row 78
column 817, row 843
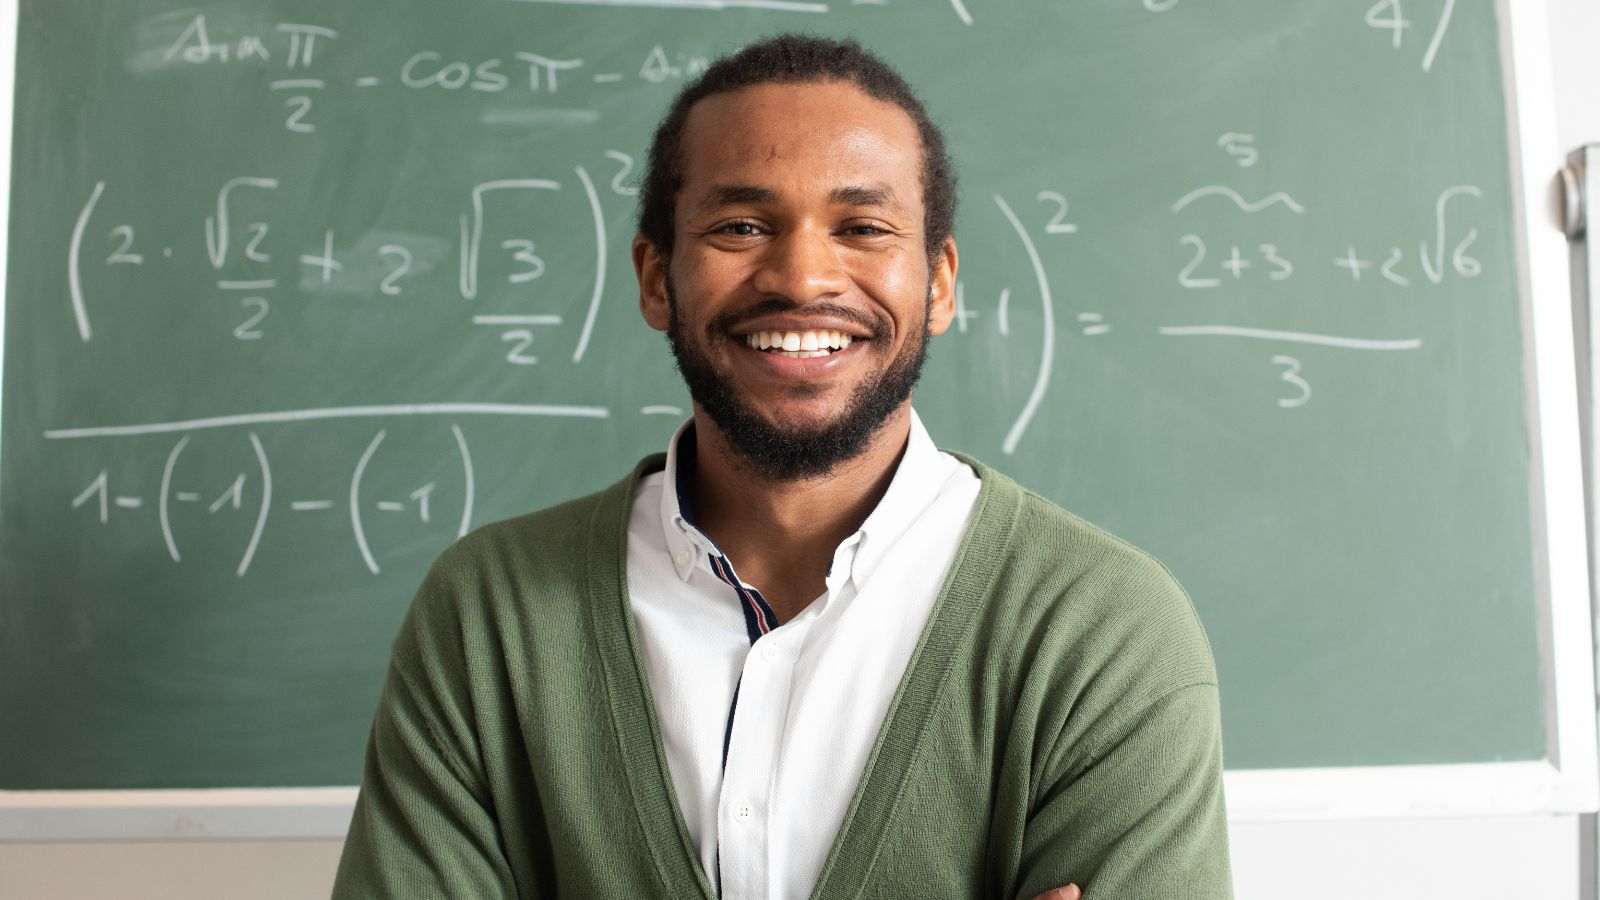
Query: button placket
column 752, row 757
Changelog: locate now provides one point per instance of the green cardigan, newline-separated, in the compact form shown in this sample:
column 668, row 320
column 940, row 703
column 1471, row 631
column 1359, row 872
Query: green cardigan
column 1058, row 722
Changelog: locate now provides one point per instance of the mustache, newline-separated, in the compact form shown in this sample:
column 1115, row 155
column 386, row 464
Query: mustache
column 729, row 320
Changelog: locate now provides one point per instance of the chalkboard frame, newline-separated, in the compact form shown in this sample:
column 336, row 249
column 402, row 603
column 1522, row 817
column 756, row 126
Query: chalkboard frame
column 1565, row 782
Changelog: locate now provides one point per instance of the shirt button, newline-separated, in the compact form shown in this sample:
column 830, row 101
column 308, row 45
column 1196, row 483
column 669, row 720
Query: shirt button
column 769, row 650
column 742, row 812
column 681, row 559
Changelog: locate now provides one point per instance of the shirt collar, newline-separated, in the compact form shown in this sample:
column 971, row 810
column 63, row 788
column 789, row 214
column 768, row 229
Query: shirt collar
column 916, row 483
column 685, row 543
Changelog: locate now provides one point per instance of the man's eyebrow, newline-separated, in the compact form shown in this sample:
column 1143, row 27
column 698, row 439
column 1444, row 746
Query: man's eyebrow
column 852, row 195
column 863, row 195
column 735, row 194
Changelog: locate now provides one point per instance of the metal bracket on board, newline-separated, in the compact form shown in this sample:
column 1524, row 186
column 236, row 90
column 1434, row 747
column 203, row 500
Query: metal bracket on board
column 1574, row 211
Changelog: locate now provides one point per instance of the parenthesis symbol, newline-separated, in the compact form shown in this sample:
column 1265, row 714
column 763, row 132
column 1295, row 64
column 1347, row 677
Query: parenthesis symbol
column 74, row 280
column 1047, row 357
column 266, row 503
column 466, row 468
column 599, row 264
column 166, row 492
column 355, row 503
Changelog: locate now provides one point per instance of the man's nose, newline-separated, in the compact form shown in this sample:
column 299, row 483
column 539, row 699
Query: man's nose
column 803, row 265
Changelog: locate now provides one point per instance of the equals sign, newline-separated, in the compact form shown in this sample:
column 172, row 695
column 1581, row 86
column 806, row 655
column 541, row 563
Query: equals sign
column 1092, row 323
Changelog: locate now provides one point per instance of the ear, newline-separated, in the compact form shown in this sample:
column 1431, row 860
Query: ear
column 942, row 287
column 651, row 270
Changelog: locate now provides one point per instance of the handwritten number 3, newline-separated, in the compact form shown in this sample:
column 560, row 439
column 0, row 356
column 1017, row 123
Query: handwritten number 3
column 1291, row 374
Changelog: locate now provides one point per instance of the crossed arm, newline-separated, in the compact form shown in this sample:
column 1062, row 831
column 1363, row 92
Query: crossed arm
column 1140, row 814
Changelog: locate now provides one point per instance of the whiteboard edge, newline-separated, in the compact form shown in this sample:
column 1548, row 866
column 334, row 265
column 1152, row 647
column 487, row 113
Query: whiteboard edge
column 1253, row 796
column 223, row 813
column 1404, row 792
column 1545, row 290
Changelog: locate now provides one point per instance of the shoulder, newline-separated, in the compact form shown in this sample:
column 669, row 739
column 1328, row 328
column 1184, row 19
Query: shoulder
column 499, row 567
column 533, row 539
column 1092, row 607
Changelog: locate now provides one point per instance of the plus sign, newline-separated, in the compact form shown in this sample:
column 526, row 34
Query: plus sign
column 325, row 262
column 962, row 313
column 1235, row 263
column 1353, row 263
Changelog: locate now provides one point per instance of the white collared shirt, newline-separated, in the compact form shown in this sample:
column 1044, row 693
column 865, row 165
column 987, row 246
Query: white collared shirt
column 811, row 692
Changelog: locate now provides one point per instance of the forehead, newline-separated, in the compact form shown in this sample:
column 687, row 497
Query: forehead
column 800, row 138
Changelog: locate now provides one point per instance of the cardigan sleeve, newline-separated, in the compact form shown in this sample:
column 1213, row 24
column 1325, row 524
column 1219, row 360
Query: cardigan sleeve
column 1141, row 817
column 424, row 825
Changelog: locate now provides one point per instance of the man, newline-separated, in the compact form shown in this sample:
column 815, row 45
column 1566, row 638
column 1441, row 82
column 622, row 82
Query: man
column 805, row 654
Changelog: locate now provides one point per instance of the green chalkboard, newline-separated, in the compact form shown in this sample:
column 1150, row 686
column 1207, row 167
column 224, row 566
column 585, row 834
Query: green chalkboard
column 299, row 290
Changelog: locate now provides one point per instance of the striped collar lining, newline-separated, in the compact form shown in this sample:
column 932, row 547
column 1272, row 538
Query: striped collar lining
column 917, row 481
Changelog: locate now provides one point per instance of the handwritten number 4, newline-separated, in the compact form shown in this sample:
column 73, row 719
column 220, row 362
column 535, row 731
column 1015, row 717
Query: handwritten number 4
column 1396, row 21
column 1390, row 15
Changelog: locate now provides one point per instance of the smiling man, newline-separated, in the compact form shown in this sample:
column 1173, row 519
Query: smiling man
column 804, row 653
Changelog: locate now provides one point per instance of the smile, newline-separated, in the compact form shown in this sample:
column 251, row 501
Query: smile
column 798, row 344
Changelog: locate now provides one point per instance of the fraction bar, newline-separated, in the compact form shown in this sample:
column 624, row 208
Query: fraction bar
column 336, row 412
column 516, row 320
column 1297, row 337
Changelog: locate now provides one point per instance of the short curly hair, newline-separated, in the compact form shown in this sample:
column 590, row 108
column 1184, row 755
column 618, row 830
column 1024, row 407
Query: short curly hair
column 795, row 59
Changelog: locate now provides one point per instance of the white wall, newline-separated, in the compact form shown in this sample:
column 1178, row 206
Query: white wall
column 1575, row 54
column 1529, row 858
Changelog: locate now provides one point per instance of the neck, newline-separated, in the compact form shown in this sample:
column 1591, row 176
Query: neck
column 781, row 534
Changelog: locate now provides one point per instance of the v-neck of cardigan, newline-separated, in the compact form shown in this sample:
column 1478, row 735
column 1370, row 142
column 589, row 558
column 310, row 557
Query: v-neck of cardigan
column 633, row 713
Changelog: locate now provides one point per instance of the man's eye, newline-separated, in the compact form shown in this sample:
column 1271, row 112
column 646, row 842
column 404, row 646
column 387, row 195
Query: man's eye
column 739, row 229
column 866, row 230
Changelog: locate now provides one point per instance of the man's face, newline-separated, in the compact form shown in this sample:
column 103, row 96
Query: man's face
column 800, row 219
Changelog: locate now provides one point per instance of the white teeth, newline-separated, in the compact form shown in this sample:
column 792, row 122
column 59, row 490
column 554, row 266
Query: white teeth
column 803, row 344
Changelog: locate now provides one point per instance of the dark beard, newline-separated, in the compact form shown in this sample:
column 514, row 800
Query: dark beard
column 787, row 454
